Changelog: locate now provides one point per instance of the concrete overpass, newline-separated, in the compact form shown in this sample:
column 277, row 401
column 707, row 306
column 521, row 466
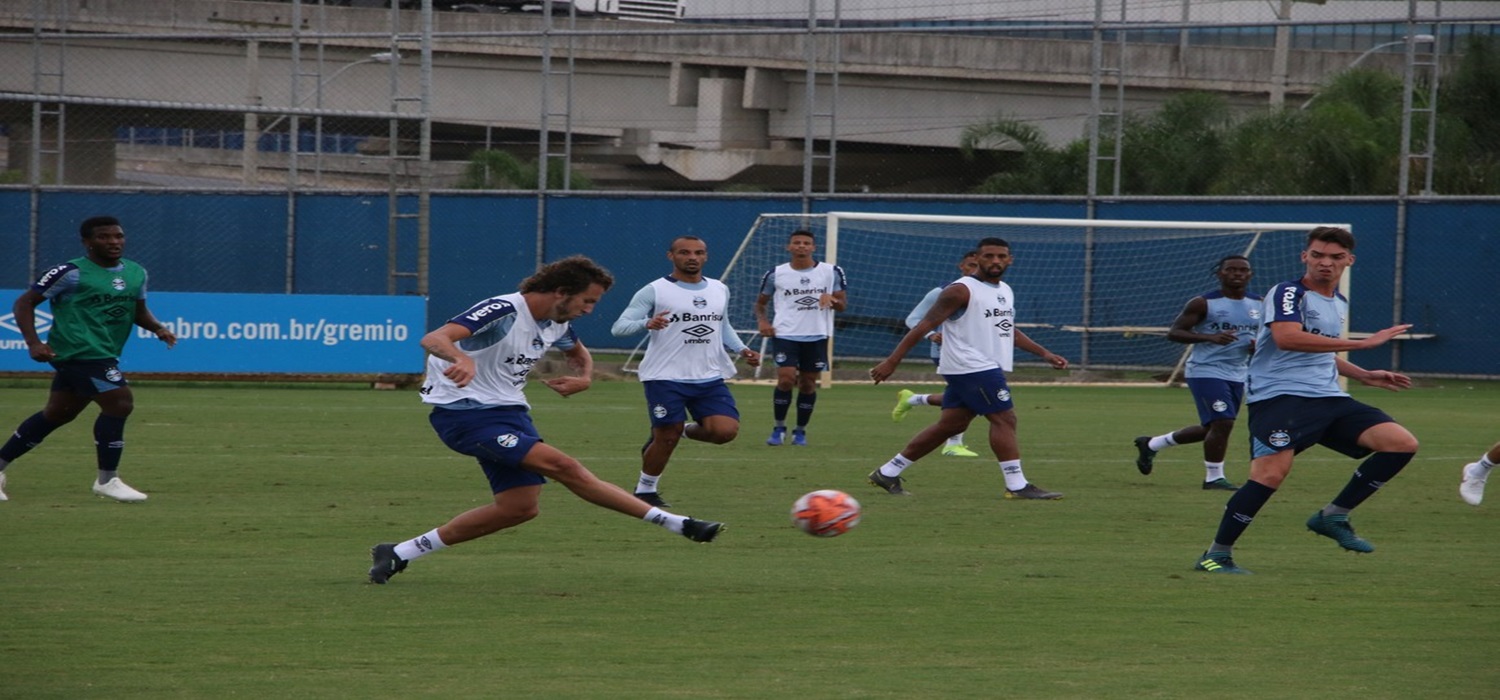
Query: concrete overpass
column 678, row 106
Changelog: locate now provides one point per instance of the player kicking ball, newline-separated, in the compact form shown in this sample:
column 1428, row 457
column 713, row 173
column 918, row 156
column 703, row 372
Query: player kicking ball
column 477, row 366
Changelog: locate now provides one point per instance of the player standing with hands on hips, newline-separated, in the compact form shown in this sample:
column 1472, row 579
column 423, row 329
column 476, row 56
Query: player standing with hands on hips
column 96, row 301
column 804, row 295
column 1295, row 402
column 977, row 318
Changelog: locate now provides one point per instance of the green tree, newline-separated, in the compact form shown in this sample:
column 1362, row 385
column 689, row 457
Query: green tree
column 1345, row 141
column 1468, row 143
column 498, row 170
column 1029, row 165
column 1177, row 149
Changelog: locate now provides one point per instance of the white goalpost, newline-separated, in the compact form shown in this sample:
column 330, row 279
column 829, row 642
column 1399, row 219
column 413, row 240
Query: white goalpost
column 1101, row 292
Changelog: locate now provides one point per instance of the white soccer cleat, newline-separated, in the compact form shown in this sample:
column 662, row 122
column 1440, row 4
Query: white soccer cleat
column 118, row 490
column 3, row 497
column 1472, row 487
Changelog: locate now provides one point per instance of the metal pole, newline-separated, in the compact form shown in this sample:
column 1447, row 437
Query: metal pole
column 810, row 95
column 1281, row 55
column 424, row 183
column 293, row 126
column 1096, row 68
column 250, row 150
column 545, row 137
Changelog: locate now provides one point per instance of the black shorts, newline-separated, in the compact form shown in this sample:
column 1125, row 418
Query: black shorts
column 1296, row 423
column 87, row 377
column 805, row 355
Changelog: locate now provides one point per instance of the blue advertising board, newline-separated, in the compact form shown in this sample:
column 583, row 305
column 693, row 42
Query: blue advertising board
column 258, row 333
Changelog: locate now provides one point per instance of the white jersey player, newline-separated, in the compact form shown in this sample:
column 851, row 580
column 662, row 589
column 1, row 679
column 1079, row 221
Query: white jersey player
column 477, row 369
column 803, row 295
column 686, row 363
column 976, row 316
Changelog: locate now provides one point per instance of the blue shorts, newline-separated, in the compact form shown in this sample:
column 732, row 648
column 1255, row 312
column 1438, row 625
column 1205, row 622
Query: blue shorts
column 805, row 355
column 87, row 377
column 670, row 402
column 1284, row 423
column 1217, row 399
column 981, row 392
column 498, row 437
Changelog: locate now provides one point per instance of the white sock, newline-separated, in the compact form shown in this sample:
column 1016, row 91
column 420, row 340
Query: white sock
column 673, row 523
column 956, row 440
column 895, row 466
column 1213, row 471
column 917, row 400
column 1015, row 480
column 1161, row 442
column 1485, row 465
column 420, row 546
column 647, row 483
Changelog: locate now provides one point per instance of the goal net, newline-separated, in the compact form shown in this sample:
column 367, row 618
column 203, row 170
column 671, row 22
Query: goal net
column 1102, row 293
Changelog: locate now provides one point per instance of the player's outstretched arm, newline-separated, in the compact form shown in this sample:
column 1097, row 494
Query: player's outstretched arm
column 952, row 298
column 1290, row 336
column 1378, row 378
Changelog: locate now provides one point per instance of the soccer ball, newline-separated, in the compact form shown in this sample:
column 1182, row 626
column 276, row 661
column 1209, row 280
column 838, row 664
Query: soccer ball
column 825, row 513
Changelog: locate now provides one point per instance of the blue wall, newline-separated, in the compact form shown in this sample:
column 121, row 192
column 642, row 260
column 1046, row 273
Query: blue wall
column 484, row 244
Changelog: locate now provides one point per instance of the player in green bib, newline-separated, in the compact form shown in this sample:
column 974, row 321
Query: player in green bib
column 96, row 301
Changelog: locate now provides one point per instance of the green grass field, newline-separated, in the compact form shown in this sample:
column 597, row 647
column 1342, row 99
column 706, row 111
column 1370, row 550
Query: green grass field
column 244, row 575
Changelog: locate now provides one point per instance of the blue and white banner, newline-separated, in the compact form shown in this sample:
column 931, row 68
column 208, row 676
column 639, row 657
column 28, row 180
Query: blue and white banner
column 252, row 333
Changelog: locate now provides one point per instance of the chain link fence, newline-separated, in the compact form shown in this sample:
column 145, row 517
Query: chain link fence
column 297, row 147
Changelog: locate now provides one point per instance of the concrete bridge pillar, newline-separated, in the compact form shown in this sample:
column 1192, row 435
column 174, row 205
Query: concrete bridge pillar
column 723, row 121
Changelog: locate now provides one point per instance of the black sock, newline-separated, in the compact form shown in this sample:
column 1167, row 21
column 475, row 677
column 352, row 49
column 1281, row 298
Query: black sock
column 109, row 443
column 781, row 401
column 1240, row 511
column 1370, row 476
column 805, row 408
column 29, row 434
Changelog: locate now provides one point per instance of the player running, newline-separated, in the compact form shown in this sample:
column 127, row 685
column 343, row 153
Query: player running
column 1221, row 326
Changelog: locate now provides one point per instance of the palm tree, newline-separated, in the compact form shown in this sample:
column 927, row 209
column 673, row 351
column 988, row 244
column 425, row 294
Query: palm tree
column 1032, row 166
column 1347, row 142
column 1468, row 147
column 1178, row 149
